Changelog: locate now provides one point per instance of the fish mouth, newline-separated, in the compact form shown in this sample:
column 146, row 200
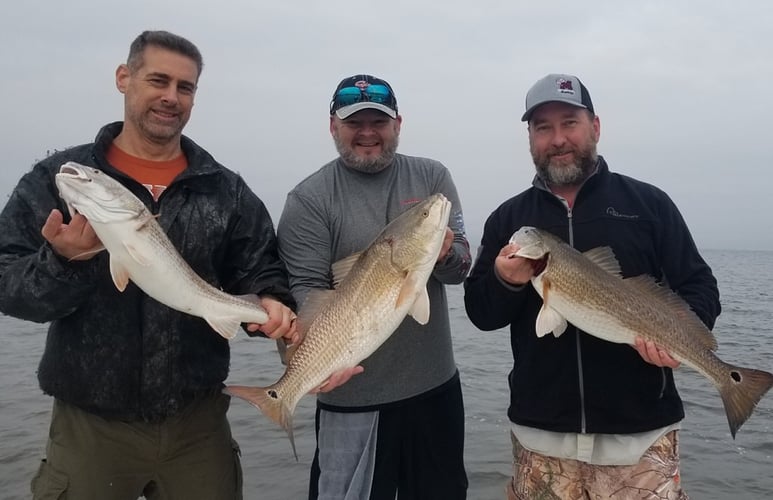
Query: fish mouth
column 68, row 170
column 539, row 265
column 445, row 214
column 538, row 261
column 67, row 173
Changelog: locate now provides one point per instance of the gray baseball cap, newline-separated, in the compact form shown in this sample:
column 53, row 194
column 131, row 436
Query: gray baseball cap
column 560, row 88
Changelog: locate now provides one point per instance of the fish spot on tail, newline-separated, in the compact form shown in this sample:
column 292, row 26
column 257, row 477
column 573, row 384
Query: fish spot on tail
column 742, row 395
column 268, row 401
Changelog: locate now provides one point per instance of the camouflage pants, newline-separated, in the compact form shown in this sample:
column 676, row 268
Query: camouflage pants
column 539, row 477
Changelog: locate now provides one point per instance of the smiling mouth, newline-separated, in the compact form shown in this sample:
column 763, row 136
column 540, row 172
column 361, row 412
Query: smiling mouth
column 164, row 115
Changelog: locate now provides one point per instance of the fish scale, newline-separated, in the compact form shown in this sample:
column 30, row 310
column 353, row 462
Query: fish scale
column 587, row 290
column 386, row 283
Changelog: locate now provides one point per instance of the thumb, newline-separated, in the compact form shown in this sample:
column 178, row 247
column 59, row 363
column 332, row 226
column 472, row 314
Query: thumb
column 52, row 225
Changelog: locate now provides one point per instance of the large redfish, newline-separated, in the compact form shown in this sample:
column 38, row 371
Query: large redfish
column 378, row 288
column 586, row 289
column 140, row 251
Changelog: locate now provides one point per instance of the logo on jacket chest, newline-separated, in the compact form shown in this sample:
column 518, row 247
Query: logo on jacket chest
column 614, row 213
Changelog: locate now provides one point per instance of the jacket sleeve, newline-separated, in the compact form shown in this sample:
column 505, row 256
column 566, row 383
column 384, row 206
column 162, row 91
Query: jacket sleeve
column 253, row 254
column 490, row 302
column 453, row 269
column 685, row 271
column 35, row 283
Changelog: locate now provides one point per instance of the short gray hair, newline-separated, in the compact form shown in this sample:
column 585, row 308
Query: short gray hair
column 163, row 40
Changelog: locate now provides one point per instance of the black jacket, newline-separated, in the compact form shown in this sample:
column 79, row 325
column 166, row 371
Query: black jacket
column 124, row 355
column 578, row 383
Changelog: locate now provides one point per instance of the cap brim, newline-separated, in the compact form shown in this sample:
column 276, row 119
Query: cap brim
column 348, row 111
column 527, row 115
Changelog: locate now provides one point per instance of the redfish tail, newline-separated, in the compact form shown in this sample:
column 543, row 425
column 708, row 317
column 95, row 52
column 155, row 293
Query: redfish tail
column 269, row 401
column 227, row 327
column 741, row 392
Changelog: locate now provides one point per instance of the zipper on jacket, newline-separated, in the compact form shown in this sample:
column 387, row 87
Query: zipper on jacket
column 580, row 380
column 663, row 383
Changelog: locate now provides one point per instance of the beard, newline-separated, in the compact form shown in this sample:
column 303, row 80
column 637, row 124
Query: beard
column 159, row 133
column 367, row 164
column 566, row 173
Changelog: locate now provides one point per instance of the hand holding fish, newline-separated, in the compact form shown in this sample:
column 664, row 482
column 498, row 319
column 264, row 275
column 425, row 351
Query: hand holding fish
column 74, row 241
column 337, row 379
column 654, row 354
column 511, row 268
column 448, row 240
column 281, row 321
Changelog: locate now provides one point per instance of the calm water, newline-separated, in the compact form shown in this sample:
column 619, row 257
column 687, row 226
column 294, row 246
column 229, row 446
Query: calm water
column 714, row 466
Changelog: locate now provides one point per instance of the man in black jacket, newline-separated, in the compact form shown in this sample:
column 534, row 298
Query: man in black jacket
column 138, row 408
column 590, row 418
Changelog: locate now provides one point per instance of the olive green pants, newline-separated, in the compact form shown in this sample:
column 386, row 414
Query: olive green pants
column 187, row 457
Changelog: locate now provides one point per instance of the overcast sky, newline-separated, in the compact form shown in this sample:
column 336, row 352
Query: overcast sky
column 684, row 90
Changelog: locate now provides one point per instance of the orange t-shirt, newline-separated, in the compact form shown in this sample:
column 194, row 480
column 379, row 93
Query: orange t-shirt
column 154, row 175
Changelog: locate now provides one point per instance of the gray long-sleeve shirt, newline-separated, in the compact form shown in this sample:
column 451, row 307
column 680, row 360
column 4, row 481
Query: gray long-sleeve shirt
column 336, row 212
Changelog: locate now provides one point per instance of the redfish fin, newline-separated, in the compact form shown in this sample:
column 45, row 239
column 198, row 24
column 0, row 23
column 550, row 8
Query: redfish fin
column 226, row 327
column 137, row 255
column 317, row 300
column 341, row 268
column 548, row 320
column 286, row 351
column 675, row 305
column 740, row 392
column 420, row 309
column 605, row 258
column 119, row 274
column 270, row 403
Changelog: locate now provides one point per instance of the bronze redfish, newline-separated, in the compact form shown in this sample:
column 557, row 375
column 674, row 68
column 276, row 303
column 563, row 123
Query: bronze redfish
column 586, row 289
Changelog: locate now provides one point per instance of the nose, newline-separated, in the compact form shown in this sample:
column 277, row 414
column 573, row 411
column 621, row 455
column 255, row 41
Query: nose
column 559, row 138
column 169, row 96
column 367, row 128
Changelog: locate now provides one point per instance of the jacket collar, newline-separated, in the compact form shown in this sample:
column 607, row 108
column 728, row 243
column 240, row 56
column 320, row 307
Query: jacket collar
column 199, row 161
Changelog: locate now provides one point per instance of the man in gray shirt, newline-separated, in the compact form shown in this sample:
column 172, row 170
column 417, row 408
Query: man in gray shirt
column 398, row 426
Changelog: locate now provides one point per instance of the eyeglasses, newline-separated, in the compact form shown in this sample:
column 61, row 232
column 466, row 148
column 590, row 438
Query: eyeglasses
column 372, row 93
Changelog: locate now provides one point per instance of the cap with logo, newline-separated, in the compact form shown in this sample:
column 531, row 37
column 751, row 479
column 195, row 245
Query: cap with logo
column 359, row 92
column 557, row 88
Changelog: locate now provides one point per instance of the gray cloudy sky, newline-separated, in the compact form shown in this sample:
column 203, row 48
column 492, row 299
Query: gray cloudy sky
column 684, row 90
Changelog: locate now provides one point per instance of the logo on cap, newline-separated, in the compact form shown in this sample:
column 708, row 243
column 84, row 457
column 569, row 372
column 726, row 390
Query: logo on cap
column 565, row 86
